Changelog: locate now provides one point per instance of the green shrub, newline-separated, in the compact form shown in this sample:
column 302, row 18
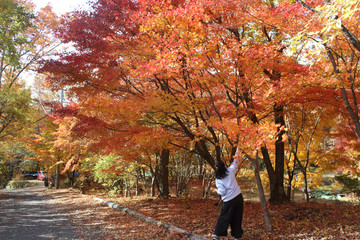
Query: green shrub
column 4, row 172
column 107, row 172
column 350, row 183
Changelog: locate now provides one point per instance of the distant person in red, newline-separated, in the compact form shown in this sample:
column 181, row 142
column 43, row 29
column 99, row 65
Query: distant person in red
column 232, row 208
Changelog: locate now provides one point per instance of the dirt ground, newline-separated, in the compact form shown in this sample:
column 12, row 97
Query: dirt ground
column 198, row 215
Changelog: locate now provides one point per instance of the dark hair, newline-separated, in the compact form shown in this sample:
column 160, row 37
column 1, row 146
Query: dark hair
column 220, row 170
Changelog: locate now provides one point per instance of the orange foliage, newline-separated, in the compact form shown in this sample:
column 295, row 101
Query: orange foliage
column 200, row 75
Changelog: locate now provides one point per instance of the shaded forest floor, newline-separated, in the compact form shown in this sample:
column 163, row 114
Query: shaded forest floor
column 197, row 215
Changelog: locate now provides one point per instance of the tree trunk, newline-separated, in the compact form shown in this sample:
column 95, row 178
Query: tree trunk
column 153, row 179
column 277, row 191
column 267, row 218
column 57, row 177
column 289, row 187
column 154, row 173
column 276, row 176
column 201, row 170
column 163, row 180
column 143, row 178
column 306, row 192
column 127, row 186
column 352, row 110
column 137, row 184
column 206, row 184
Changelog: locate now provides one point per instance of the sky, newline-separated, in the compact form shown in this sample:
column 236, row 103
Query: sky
column 61, row 6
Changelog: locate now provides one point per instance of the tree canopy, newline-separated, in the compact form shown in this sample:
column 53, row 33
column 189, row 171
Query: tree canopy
column 211, row 77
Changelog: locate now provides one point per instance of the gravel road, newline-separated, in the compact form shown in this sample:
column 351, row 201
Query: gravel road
column 29, row 214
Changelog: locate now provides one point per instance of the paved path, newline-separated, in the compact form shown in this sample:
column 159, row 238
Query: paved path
column 29, row 214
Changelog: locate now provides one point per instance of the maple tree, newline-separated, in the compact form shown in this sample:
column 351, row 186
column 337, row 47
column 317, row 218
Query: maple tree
column 330, row 30
column 333, row 31
column 201, row 69
column 201, row 76
column 155, row 82
column 306, row 134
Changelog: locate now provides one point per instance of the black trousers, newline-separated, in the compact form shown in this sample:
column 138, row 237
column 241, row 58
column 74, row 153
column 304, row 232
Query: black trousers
column 231, row 214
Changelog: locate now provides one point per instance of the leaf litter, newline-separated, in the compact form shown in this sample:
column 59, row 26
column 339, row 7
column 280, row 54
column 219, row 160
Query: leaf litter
column 197, row 215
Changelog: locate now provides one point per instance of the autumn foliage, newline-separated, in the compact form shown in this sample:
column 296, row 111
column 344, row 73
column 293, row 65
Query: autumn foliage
column 210, row 77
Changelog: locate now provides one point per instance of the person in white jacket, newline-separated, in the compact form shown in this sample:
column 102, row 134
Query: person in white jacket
column 232, row 208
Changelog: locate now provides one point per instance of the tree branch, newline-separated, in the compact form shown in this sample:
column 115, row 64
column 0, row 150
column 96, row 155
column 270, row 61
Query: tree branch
column 355, row 42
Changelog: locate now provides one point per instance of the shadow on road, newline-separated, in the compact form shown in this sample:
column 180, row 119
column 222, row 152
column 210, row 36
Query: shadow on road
column 29, row 214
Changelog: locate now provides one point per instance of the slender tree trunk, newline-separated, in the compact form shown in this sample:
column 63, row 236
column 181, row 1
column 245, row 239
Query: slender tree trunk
column 57, row 177
column 143, row 178
column 203, row 184
column 352, row 110
column 306, row 192
column 201, row 169
column 126, row 192
column 267, row 218
column 1, row 68
column 153, row 179
column 72, row 179
column 137, row 183
column 154, row 172
column 127, row 186
column 288, row 190
column 207, row 184
column 290, row 173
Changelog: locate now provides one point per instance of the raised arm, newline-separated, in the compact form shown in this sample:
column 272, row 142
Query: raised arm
column 236, row 161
